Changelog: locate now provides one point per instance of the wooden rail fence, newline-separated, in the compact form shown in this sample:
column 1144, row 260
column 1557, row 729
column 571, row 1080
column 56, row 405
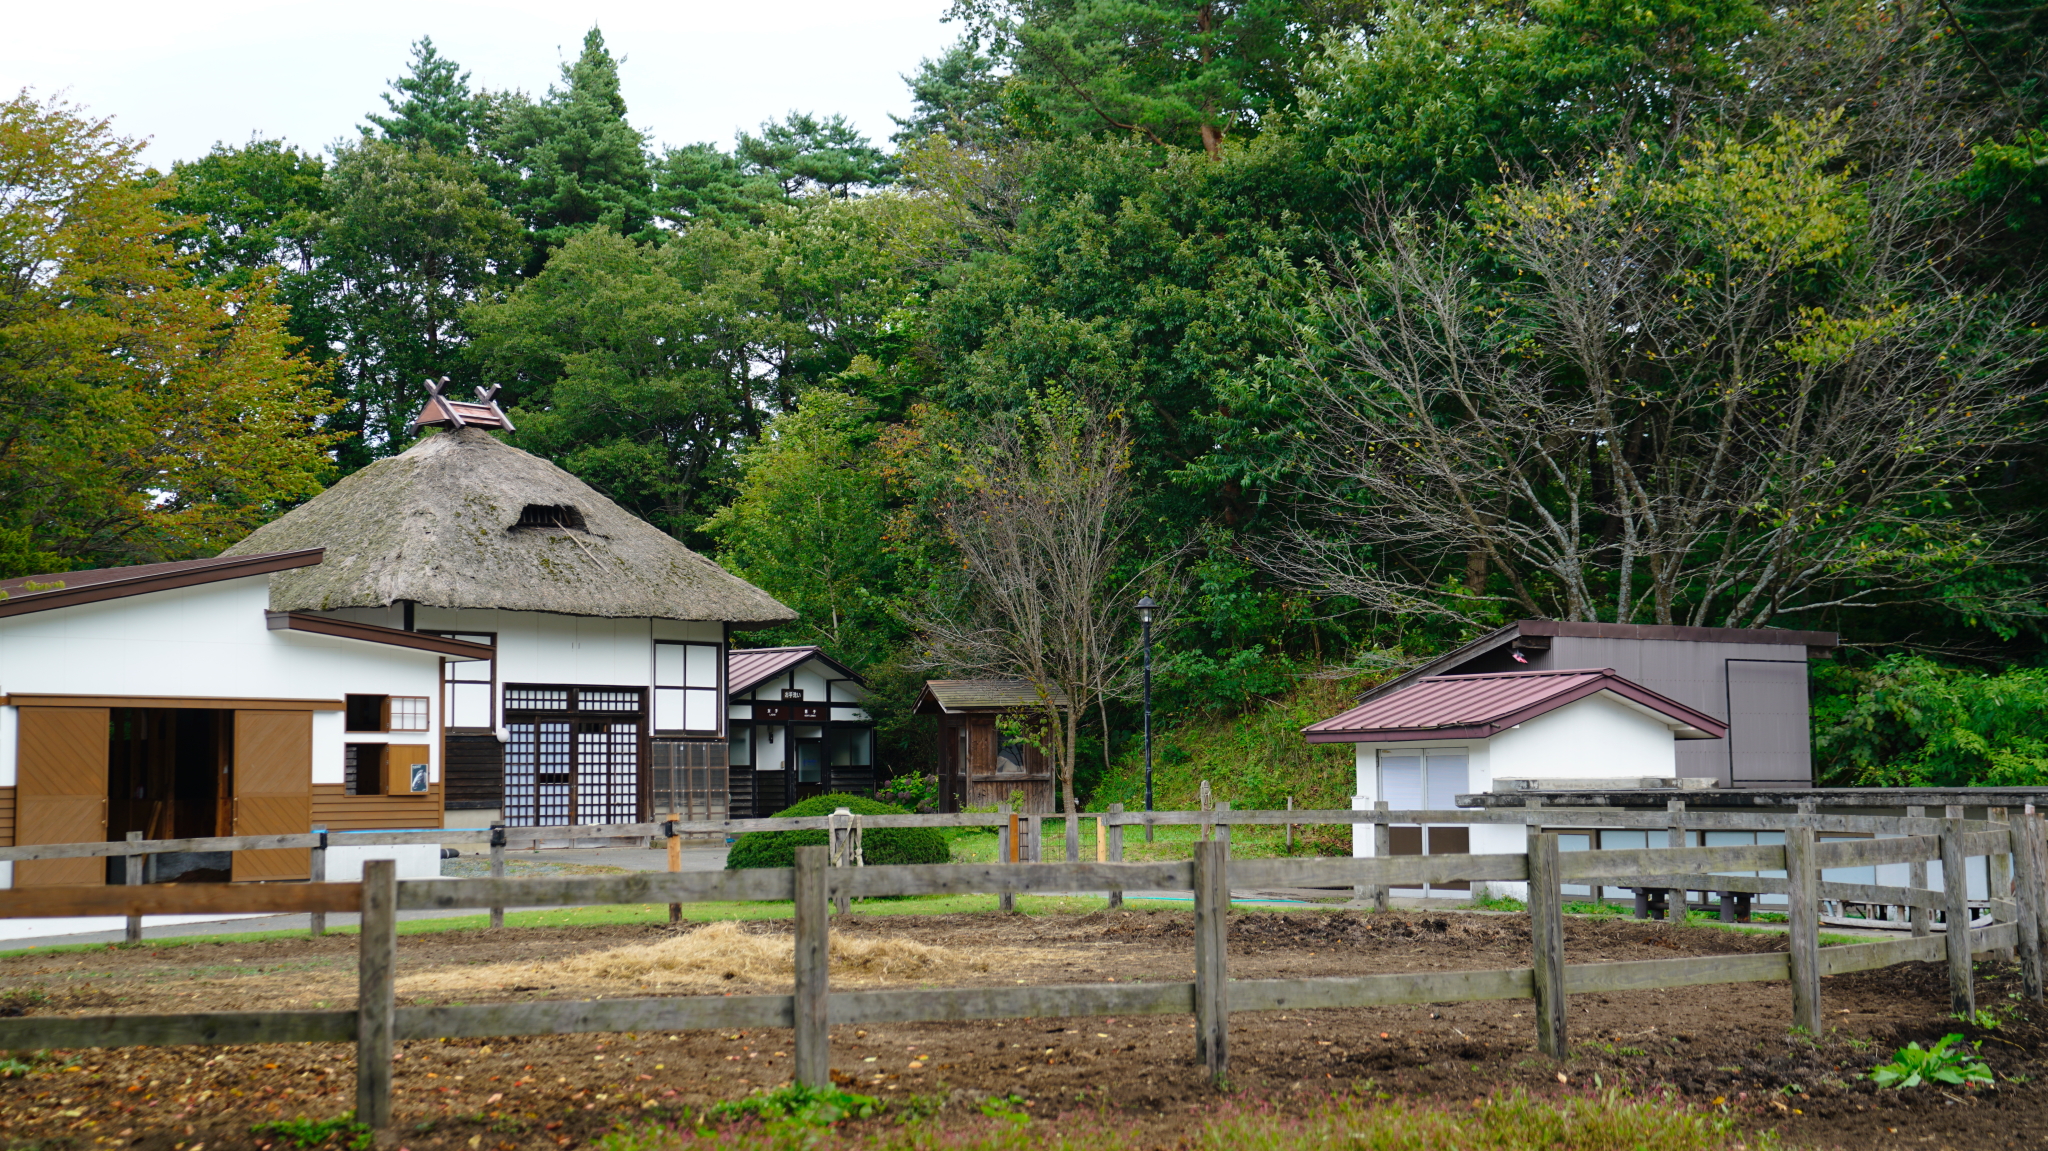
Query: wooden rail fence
column 811, row 1007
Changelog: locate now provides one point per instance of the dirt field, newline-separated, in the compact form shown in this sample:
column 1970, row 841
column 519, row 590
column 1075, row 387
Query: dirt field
column 1724, row 1045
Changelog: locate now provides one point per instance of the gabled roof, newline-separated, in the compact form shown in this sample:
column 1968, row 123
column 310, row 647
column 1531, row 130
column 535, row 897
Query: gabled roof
column 65, row 589
column 461, row 520
column 1480, row 706
column 1545, row 629
column 749, row 668
column 952, row 696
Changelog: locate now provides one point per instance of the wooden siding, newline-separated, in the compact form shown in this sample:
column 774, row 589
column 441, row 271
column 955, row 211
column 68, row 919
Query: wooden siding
column 474, row 766
column 337, row 811
column 61, row 784
column 273, row 763
column 6, row 817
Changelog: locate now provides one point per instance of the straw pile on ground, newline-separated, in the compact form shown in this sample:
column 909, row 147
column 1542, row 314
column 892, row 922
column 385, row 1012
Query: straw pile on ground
column 716, row 954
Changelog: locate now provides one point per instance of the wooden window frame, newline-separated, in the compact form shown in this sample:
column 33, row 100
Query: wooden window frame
column 493, row 703
column 717, row 692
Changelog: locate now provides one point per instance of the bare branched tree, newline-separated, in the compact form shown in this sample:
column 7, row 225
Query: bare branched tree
column 1043, row 516
column 1710, row 396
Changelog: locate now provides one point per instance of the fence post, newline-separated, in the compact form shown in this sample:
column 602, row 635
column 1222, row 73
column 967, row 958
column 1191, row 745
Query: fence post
column 1116, row 850
column 1675, row 898
column 1916, row 878
column 842, row 855
column 1802, row 915
column 1207, row 828
column 1290, row 827
column 1546, row 942
column 1382, row 847
column 1006, row 852
column 498, row 870
column 1955, row 883
column 813, row 969
column 1998, row 873
column 1033, row 848
column 1073, row 837
column 675, row 860
column 2026, row 894
column 1223, row 826
column 316, row 923
column 1212, row 934
column 133, row 878
column 1101, row 841
column 376, row 957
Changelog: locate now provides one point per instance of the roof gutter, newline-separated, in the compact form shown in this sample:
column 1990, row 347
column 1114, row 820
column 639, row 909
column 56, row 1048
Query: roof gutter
column 372, row 633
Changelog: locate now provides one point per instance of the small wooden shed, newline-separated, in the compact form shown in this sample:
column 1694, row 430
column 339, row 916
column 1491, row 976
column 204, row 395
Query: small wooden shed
column 981, row 764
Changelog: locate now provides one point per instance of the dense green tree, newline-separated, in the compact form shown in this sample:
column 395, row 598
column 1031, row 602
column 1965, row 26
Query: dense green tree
column 574, row 163
column 959, row 96
column 802, row 153
column 410, row 238
column 699, row 182
column 1908, row 721
column 431, row 105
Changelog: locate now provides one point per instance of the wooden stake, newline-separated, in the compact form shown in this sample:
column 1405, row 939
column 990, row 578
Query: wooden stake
column 1116, row 851
column 1006, row 852
column 675, row 862
column 1212, row 977
column 2026, row 894
column 1101, row 841
column 1916, row 878
column 1955, row 883
column 842, row 855
column 1674, row 898
column 498, row 870
column 1998, row 872
column 1546, row 943
column 1382, row 846
column 1290, row 827
column 376, row 1007
column 316, row 922
column 813, row 969
column 1223, row 826
column 1802, row 913
column 134, row 878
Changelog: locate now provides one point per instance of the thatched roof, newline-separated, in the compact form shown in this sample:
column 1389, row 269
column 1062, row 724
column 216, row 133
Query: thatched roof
column 464, row 521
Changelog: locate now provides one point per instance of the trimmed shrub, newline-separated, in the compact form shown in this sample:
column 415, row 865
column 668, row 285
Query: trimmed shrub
column 880, row 846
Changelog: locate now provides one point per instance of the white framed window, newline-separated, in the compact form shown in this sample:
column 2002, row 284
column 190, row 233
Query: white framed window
column 409, row 713
column 467, row 695
column 1425, row 778
column 687, row 680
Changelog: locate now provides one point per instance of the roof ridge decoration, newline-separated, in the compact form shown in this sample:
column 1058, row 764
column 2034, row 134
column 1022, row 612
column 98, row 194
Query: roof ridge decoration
column 1482, row 706
column 446, row 524
column 442, row 412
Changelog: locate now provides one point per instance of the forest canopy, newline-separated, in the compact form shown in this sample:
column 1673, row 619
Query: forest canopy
column 1384, row 323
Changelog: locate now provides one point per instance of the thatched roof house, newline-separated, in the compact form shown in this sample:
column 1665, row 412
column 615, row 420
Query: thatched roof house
column 462, row 520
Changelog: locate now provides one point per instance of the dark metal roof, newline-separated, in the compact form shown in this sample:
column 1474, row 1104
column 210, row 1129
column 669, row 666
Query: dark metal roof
column 1479, row 706
column 950, row 696
column 748, row 668
column 1664, row 633
column 66, row 589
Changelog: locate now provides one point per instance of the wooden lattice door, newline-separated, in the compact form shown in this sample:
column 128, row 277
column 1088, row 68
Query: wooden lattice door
column 61, row 791
column 273, row 790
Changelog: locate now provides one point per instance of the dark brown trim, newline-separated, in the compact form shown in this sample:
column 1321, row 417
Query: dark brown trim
column 376, row 633
column 235, row 568
column 1764, row 635
column 226, row 703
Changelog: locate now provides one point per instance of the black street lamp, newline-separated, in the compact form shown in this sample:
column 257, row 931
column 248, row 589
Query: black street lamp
column 1145, row 609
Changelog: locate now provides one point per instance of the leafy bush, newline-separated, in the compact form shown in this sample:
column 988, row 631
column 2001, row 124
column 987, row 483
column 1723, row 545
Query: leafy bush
column 1944, row 1062
column 1908, row 721
column 799, row 1104
column 880, row 846
column 918, row 793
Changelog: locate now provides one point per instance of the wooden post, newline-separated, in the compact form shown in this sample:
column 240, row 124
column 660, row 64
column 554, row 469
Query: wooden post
column 1202, row 803
column 1073, row 837
column 813, row 969
column 1116, row 850
column 1955, row 883
column 1290, row 827
column 1382, row 846
column 2026, row 895
column 1546, row 942
column 1223, row 826
column 842, row 856
column 498, row 870
column 675, row 862
column 1006, row 852
column 1212, row 933
column 1101, row 841
column 1675, row 898
column 1034, row 838
column 316, row 923
column 376, row 1007
column 133, row 877
column 1802, row 914
column 1998, row 872
column 1916, row 878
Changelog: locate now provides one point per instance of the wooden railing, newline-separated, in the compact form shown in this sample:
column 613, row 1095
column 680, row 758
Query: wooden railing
column 378, row 1023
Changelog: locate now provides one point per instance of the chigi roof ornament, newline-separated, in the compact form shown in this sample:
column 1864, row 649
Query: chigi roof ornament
column 442, row 412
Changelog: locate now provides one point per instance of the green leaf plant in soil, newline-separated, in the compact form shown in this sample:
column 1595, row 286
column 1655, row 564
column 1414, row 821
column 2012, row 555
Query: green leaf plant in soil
column 310, row 1133
column 1946, row 1062
column 880, row 846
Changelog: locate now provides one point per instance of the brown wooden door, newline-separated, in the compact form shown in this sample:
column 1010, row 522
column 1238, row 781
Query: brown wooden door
column 61, row 791
column 273, row 790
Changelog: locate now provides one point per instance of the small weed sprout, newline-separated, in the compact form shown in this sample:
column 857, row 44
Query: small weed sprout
column 1945, row 1062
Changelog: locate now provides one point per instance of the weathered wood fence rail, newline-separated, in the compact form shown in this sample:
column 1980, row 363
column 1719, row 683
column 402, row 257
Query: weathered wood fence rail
column 378, row 1023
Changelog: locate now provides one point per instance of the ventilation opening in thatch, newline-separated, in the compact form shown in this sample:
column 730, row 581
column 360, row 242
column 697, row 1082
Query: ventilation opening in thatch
column 550, row 516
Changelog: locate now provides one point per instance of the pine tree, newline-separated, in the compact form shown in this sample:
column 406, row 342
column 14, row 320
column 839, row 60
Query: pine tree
column 431, row 106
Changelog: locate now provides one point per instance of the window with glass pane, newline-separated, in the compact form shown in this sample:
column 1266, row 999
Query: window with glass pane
column 466, row 685
column 807, row 766
column 1401, row 780
column 408, row 713
column 686, row 686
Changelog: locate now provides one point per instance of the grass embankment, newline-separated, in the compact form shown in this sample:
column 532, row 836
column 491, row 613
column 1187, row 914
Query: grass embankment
column 1254, row 759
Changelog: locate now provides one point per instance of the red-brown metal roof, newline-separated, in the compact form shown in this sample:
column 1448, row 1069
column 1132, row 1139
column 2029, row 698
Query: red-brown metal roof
column 748, row 668
column 26, row 594
column 1479, row 706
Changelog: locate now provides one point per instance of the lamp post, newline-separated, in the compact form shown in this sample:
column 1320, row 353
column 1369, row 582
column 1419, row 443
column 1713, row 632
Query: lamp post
column 1145, row 609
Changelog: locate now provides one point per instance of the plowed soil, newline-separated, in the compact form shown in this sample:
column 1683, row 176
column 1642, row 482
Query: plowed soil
column 1724, row 1046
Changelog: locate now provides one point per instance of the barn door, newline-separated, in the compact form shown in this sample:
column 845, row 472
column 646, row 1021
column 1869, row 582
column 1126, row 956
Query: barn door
column 273, row 790
column 61, row 791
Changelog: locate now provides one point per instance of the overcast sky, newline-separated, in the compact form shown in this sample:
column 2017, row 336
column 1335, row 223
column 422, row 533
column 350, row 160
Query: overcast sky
column 186, row 75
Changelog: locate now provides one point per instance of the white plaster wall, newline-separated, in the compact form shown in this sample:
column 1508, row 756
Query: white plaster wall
column 7, row 733
column 1596, row 738
column 810, row 677
column 329, row 739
